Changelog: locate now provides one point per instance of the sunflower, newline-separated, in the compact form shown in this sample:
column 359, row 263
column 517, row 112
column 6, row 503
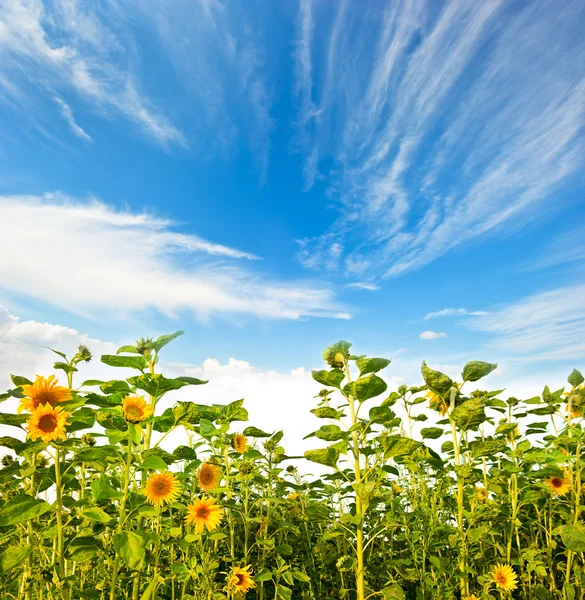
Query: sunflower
column 240, row 443
column 504, row 577
column 208, row 476
column 161, row 487
column 396, row 488
column 437, row 403
column 135, row 409
column 43, row 391
column 204, row 512
column 559, row 485
column 240, row 580
column 47, row 423
column 472, row 597
column 481, row 494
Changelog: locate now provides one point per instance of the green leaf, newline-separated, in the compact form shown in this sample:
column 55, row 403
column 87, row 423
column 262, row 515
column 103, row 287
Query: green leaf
column 283, row 593
column 469, row 415
column 573, row 537
column 399, row 446
column 65, row 367
column 13, row 420
column 331, row 378
column 438, row 382
column 431, row 433
column 102, row 490
column 192, row 380
column 325, row 412
column 330, row 433
column 82, row 549
column 19, row 381
column 476, row 369
column 154, row 462
column 156, row 385
column 130, row 349
column 255, row 432
column 481, row 448
column 265, row 575
column 163, row 340
column 371, row 365
column 127, row 362
column 393, row 592
column 366, row 387
column 323, row 456
column 575, row 378
column 95, row 513
column 13, row 556
column 131, row 548
column 22, row 508
column 383, row 415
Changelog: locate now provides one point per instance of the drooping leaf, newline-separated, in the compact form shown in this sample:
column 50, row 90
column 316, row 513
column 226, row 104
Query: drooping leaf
column 432, row 433
column 22, row 508
column 575, row 378
column 573, row 537
column 325, row 412
column 323, row 456
column 13, row 556
column 154, row 462
column 12, row 419
column 19, row 381
column 366, row 387
column 371, row 365
column 332, row 378
column 127, row 362
column 131, row 548
column 255, row 432
column 476, row 369
column 330, row 433
column 469, row 415
column 438, row 382
column 102, row 490
column 95, row 513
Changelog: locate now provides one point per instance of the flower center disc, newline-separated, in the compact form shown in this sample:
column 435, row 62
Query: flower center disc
column 47, row 423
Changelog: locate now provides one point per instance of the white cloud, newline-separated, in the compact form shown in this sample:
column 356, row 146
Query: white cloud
column 360, row 285
column 448, row 312
column 67, row 46
column 68, row 116
column 431, row 335
column 86, row 257
column 546, row 326
column 425, row 156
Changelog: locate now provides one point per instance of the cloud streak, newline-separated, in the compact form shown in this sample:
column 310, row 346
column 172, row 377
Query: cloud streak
column 88, row 258
column 452, row 124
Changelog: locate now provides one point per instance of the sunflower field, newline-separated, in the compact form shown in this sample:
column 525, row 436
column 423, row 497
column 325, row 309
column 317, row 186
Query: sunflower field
column 429, row 492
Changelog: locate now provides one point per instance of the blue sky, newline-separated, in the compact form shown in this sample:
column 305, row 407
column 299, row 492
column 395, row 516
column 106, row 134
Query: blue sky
column 272, row 178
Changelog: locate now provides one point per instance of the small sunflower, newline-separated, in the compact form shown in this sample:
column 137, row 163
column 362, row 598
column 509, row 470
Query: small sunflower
column 43, row 391
column 239, row 579
column 161, row 487
column 559, row 485
column 472, row 597
column 437, row 403
column 504, row 577
column 397, row 489
column 208, row 476
column 136, row 409
column 204, row 512
column 240, row 443
column 481, row 494
column 47, row 423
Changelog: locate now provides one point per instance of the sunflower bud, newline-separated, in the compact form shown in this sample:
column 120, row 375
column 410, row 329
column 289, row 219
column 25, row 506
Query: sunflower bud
column 83, row 354
column 270, row 445
column 337, row 354
column 246, row 468
column 7, row 460
column 88, row 439
column 144, row 346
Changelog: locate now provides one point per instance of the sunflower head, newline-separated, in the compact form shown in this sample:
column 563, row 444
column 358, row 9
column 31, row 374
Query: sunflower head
column 472, row 597
column 504, row 577
column 43, row 391
column 204, row 513
column 559, row 485
column 136, row 409
column 239, row 579
column 208, row 476
column 83, row 354
column 437, row 403
column 47, row 423
column 162, row 488
column 144, row 346
column 240, row 443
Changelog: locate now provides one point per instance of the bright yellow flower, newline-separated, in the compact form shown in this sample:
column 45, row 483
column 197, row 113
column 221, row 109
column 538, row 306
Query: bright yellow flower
column 397, row 489
column 136, row 409
column 240, row 443
column 161, row 487
column 204, row 512
column 559, row 485
column 472, row 597
column 47, row 423
column 43, row 391
column 240, row 580
column 481, row 494
column 437, row 403
column 504, row 577
column 208, row 476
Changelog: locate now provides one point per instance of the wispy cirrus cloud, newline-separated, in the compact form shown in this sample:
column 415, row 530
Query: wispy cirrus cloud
column 66, row 47
column 123, row 262
column 546, row 326
column 450, row 312
column 451, row 122
column 68, row 116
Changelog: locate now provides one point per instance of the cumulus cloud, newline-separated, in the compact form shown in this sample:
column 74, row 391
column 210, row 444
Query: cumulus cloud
column 431, row 335
column 124, row 261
